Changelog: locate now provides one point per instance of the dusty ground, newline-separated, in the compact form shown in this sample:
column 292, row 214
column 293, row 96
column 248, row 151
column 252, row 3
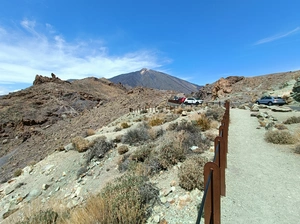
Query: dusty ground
column 262, row 178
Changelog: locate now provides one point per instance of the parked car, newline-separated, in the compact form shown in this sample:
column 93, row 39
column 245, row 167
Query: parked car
column 270, row 100
column 191, row 100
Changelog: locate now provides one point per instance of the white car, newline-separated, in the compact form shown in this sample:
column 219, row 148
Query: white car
column 191, row 100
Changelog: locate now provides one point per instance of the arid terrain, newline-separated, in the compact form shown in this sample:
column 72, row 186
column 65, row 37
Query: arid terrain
column 45, row 127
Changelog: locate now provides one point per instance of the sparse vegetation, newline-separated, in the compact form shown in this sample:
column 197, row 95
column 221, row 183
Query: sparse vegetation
column 90, row 132
column 154, row 133
column 215, row 113
column 204, row 123
column 292, row 120
column 80, row 144
column 42, row 217
column 18, row 172
column 125, row 125
column 142, row 153
column 122, row 149
column 139, row 134
column 170, row 154
column 128, row 199
column 191, row 173
column 297, row 149
column 156, row 121
column 98, row 150
column 279, row 137
column 280, row 127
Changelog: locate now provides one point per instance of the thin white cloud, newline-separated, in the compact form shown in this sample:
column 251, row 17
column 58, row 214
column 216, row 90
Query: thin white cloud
column 25, row 53
column 276, row 37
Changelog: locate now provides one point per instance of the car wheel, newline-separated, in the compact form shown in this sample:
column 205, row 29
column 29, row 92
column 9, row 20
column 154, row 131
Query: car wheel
column 257, row 102
column 197, row 103
column 270, row 103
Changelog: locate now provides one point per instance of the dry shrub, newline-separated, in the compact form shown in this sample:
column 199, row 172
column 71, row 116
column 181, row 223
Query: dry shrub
column 154, row 133
column 122, row 149
column 292, row 120
column 297, row 149
column 118, row 138
column 211, row 135
column 171, row 154
column 125, row 125
column 90, row 132
column 281, row 127
column 80, row 144
column 128, row 199
column 204, row 123
column 98, row 150
column 170, row 117
column 41, row 217
column 18, row 172
column 139, row 134
column 142, row 153
column 184, row 125
column 214, row 124
column 191, row 173
column 178, row 111
column 172, row 126
column 215, row 113
column 262, row 123
column 156, row 121
column 279, row 137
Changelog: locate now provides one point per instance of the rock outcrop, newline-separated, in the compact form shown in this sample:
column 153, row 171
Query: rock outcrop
column 39, row 79
column 296, row 91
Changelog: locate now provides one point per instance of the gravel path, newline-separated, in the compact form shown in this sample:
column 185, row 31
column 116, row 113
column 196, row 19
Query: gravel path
column 263, row 180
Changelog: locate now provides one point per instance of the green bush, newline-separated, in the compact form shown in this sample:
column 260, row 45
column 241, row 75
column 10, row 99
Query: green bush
column 191, row 173
column 279, row 137
column 292, row 120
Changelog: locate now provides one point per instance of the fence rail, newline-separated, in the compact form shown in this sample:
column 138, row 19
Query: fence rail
column 214, row 176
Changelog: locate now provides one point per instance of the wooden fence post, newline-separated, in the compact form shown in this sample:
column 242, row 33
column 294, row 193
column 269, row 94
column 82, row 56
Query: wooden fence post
column 213, row 200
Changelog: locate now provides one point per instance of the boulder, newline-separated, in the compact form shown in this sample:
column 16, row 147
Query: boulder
column 281, row 109
column 254, row 108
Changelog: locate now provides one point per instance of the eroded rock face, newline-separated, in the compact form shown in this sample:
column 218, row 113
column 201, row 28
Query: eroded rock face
column 39, row 79
column 224, row 86
column 296, row 90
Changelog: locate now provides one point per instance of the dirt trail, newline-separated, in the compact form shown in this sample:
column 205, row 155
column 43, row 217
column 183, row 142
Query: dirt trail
column 263, row 180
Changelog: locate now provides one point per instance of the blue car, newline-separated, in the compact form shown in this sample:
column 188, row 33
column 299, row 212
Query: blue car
column 271, row 100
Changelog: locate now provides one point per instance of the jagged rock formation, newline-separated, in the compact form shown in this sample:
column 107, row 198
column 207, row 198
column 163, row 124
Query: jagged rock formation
column 296, row 90
column 39, row 79
column 219, row 89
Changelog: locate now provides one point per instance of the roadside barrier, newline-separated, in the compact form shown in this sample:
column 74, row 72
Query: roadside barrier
column 214, row 176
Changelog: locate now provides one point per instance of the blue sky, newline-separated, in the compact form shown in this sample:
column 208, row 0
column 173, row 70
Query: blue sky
column 196, row 40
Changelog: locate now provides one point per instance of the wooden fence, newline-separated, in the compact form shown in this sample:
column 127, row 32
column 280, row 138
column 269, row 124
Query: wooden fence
column 214, row 176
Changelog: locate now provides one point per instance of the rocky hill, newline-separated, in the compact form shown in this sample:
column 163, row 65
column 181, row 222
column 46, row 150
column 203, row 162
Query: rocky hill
column 38, row 120
column 156, row 80
column 61, row 142
column 248, row 89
